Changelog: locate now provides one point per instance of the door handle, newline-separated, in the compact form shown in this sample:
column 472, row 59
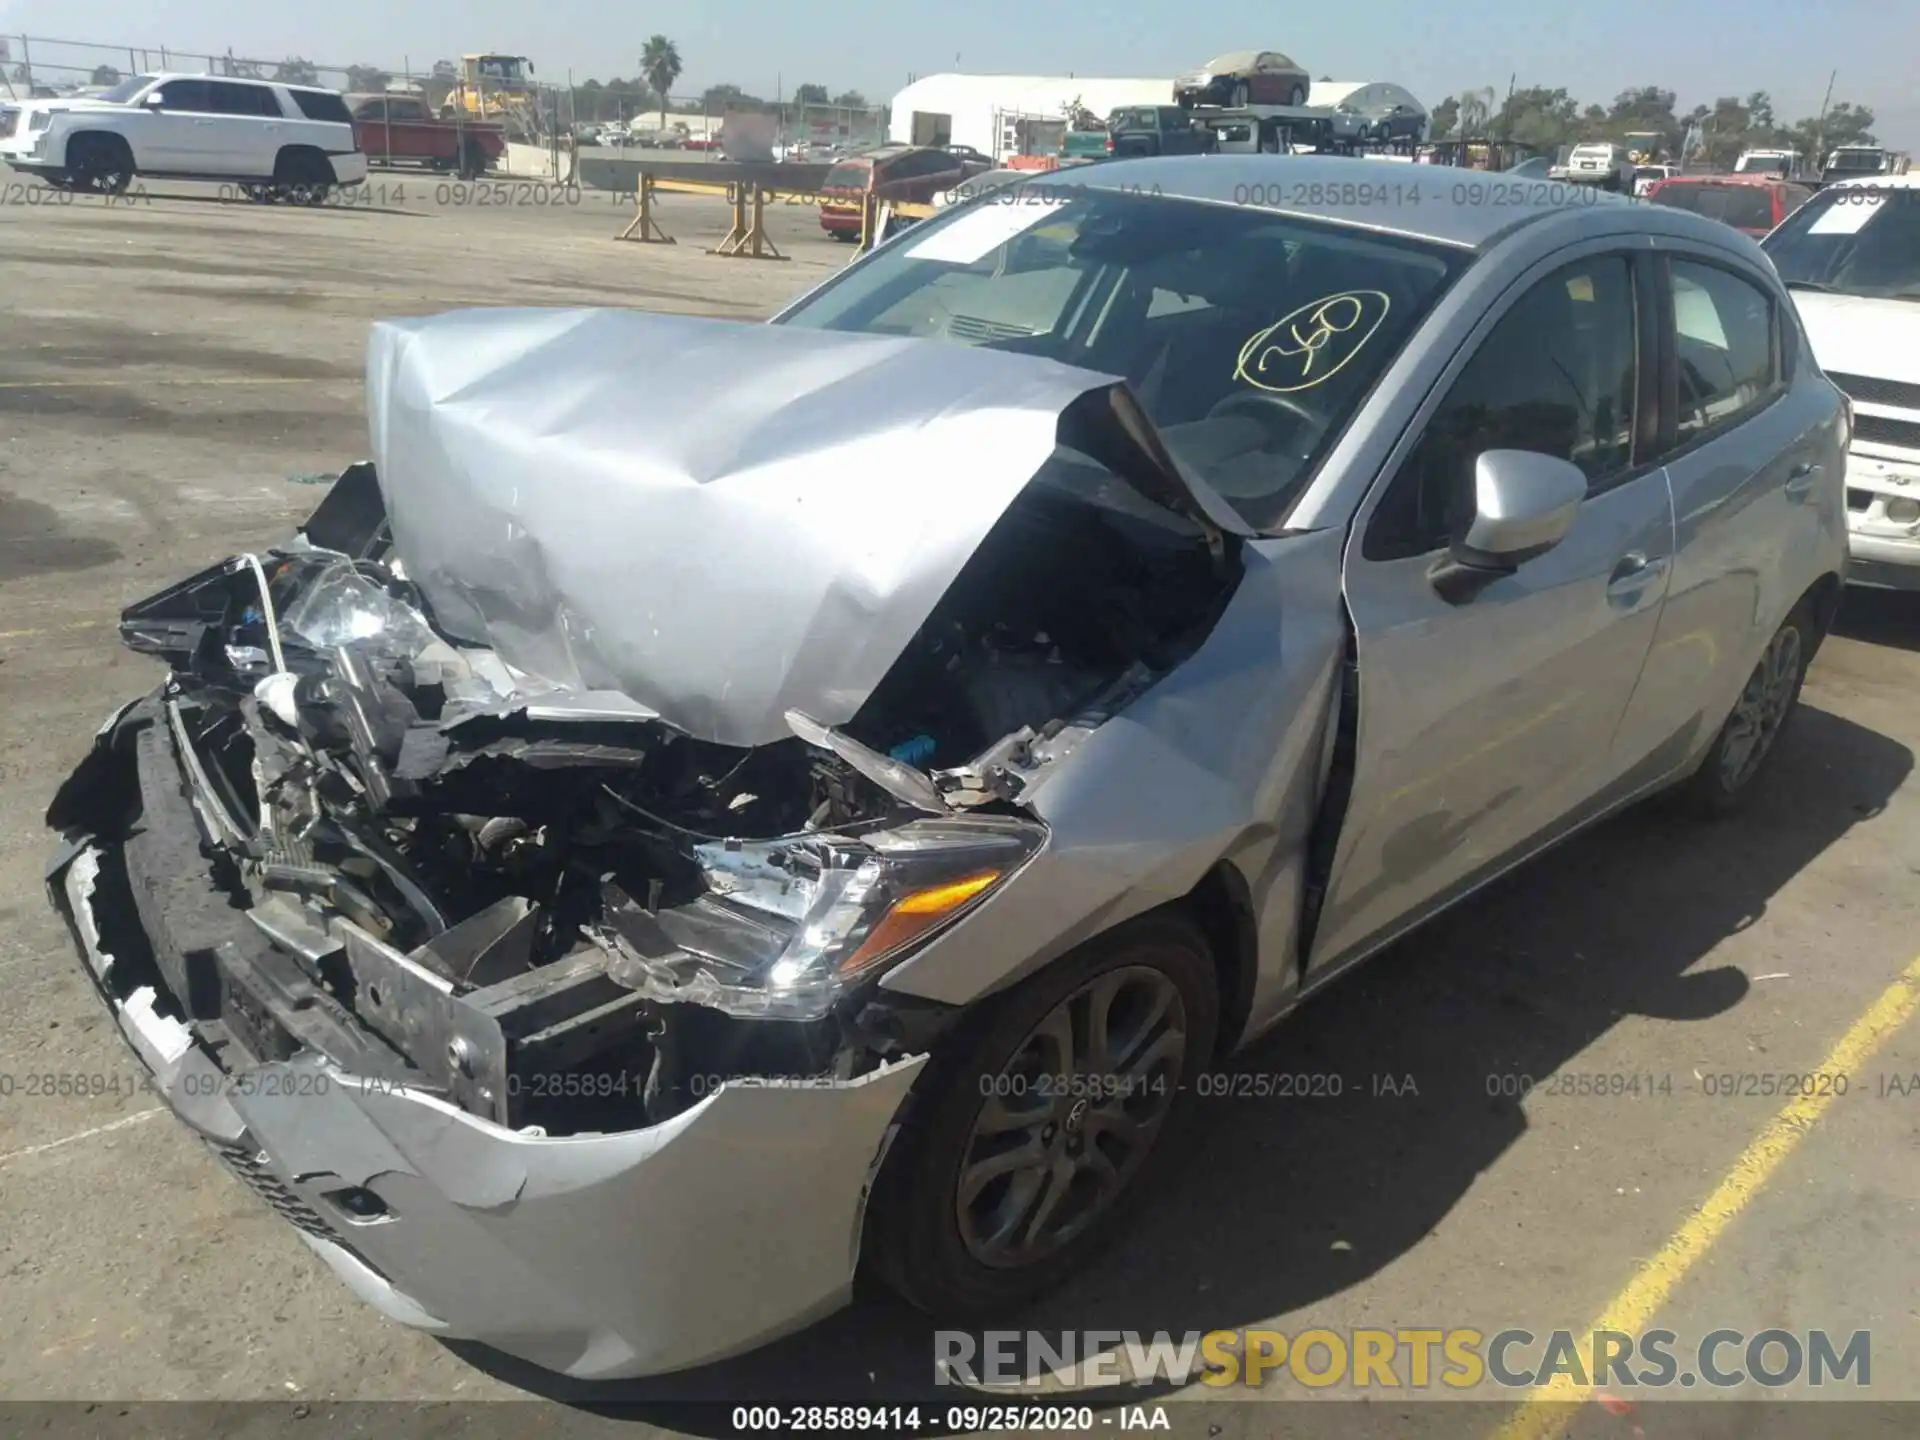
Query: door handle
column 1801, row 478
column 1634, row 572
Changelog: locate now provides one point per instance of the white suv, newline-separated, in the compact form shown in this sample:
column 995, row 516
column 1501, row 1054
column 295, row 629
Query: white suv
column 291, row 142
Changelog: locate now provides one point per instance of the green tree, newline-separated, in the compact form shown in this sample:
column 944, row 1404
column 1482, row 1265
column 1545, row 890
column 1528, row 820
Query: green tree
column 1442, row 118
column 850, row 100
column 1646, row 108
column 1538, row 117
column 295, row 71
column 104, row 75
column 367, row 77
column 660, row 67
column 809, row 94
column 718, row 99
column 1843, row 124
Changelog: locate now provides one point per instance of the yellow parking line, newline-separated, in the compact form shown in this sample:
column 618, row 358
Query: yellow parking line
column 1545, row 1413
column 141, row 380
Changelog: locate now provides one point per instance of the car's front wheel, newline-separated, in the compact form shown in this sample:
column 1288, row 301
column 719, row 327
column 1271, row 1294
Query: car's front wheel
column 1751, row 734
column 1039, row 1119
column 100, row 163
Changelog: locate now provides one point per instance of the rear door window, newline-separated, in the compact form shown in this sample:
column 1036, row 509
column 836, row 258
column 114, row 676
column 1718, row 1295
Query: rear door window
column 1724, row 333
column 226, row 97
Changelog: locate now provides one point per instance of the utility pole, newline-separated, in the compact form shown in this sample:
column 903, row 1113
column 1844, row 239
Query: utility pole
column 1820, row 125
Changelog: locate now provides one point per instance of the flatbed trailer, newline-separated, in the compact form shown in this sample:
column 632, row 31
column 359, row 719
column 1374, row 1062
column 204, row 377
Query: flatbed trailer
column 1265, row 129
column 1282, row 129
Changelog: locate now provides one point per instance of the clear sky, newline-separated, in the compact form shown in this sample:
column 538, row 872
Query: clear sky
column 1699, row 48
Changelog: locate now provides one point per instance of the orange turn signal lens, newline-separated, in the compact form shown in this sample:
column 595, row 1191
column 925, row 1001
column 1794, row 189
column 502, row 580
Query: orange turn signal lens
column 916, row 913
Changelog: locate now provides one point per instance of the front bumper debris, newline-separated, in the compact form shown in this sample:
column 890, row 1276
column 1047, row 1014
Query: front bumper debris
column 597, row 1255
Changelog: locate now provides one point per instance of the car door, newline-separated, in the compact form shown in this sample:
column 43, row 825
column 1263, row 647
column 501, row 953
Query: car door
column 246, row 130
column 1751, row 458
column 170, row 135
column 1486, row 726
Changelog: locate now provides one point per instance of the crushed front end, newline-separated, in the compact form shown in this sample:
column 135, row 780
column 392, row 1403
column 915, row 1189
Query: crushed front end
column 356, row 909
column 506, row 875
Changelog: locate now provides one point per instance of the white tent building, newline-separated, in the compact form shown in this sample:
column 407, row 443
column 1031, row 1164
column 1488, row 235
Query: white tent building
column 988, row 111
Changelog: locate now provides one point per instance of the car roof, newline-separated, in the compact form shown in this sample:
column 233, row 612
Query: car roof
column 1467, row 209
column 162, row 76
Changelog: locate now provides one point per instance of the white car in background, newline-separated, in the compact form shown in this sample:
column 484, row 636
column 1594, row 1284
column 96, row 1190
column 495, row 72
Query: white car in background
column 1851, row 259
column 291, row 142
column 1601, row 162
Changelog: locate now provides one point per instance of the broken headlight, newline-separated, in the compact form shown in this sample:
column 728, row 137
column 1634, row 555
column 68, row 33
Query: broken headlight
column 786, row 926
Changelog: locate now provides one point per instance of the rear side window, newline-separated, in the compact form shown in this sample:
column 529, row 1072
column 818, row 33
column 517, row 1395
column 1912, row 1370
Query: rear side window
column 225, row 97
column 322, row 105
column 846, row 177
column 1725, row 332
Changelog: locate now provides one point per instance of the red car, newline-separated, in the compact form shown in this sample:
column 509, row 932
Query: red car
column 910, row 173
column 400, row 130
column 1752, row 204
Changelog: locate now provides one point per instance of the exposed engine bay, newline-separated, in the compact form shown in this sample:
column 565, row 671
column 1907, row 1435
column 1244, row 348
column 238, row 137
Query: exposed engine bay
column 561, row 912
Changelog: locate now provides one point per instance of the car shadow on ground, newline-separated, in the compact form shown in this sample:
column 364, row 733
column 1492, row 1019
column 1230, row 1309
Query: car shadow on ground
column 1880, row 617
column 1517, row 981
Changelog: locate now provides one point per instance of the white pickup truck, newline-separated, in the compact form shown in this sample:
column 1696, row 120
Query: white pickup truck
column 278, row 141
column 1851, row 258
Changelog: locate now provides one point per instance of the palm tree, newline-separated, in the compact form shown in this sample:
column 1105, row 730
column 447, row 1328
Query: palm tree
column 660, row 64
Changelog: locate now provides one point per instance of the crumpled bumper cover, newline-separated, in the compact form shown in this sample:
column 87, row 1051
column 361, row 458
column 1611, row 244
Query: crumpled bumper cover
column 600, row 1256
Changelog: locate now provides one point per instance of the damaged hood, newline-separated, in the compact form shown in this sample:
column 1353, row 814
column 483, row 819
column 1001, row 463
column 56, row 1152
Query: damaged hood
column 720, row 521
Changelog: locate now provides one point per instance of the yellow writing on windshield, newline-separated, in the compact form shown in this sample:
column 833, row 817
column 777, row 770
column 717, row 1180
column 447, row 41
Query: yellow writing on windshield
column 1312, row 344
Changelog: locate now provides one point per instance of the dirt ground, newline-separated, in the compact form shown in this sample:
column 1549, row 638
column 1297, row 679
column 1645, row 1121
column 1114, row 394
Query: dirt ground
column 176, row 372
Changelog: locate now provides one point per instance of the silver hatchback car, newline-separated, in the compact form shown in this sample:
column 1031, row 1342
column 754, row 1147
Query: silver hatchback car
column 640, row 853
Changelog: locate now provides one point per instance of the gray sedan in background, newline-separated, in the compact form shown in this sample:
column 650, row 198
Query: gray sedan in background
column 637, row 856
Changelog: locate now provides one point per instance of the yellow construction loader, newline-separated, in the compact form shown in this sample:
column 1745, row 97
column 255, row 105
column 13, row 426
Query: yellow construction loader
column 498, row 88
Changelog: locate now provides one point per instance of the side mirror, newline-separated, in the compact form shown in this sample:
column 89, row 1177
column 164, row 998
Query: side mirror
column 155, row 99
column 1524, row 503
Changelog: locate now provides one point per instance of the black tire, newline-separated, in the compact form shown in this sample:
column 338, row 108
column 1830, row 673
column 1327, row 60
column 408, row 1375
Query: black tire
column 845, row 237
column 260, row 194
column 58, row 179
column 1749, row 738
column 100, row 164
column 1240, row 94
column 1296, row 96
column 302, row 177
column 915, row 1233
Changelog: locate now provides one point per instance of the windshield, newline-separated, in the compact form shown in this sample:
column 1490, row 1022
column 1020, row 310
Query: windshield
column 1861, row 240
column 1745, row 207
column 850, row 175
column 1762, row 165
column 128, row 88
column 1250, row 338
column 1868, row 161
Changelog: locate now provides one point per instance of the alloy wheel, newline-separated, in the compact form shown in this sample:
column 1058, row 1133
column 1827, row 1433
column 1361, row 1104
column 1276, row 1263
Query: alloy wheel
column 1068, row 1121
column 1762, row 709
